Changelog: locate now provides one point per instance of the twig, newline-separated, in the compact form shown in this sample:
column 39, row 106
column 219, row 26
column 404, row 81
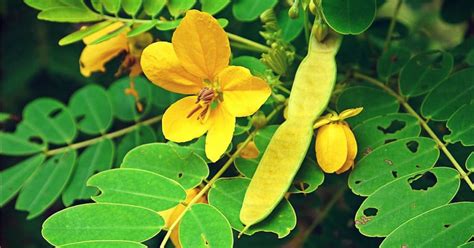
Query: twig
column 391, row 28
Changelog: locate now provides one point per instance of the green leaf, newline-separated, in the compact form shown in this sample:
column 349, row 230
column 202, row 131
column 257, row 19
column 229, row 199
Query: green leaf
column 97, row 5
column 162, row 98
column 68, row 14
column 141, row 135
column 461, row 125
column 92, row 109
column 256, row 67
column 153, row 7
column 4, row 117
column 138, row 188
column 95, row 158
column 97, row 221
column 392, row 161
column 83, row 32
column 290, row 28
column 449, row 96
column 223, row 22
column 142, row 28
column 46, row 184
column 104, row 244
column 412, row 195
column 52, row 119
column 178, row 163
column 470, row 162
column 467, row 245
column 123, row 104
column 14, row 144
column 452, row 222
column 470, row 57
column 13, row 178
column 167, row 25
column 349, row 16
column 179, row 7
column 375, row 102
column 424, row 71
column 44, row 4
column 131, row 7
column 213, row 6
column 227, row 195
column 204, row 226
column 392, row 61
column 111, row 6
column 379, row 130
column 249, row 10
column 112, row 34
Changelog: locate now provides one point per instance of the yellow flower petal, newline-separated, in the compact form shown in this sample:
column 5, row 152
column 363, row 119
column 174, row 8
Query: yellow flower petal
column 348, row 113
column 243, row 93
column 162, row 67
column 201, row 45
column 220, row 133
column 351, row 149
column 109, row 29
column 94, row 57
column 177, row 126
column 331, row 147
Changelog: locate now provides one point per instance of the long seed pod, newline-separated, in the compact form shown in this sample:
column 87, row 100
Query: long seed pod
column 312, row 88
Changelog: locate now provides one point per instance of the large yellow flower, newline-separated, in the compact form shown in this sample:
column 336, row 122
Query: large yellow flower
column 197, row 63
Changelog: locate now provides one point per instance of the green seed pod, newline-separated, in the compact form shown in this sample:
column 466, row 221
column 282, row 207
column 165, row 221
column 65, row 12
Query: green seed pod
column 293, row 12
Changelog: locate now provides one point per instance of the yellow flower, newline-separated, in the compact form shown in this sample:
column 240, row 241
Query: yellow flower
column 336, row 146
column 94, row 57
column 197, row 63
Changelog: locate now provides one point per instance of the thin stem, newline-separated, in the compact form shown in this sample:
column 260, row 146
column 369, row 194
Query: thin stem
column 112, row 135
column 323, row 214
column 280, row 87
column 422, row 122
column 214, row 179
column 391, row 28
column 255, row 46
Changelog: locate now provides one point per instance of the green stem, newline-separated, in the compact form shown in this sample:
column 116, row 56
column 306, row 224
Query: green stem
column 112, row 135
column 320, row 217
column 233, row 37
column 391, row 28
column 214, row 179
column 280, row 87
column 422, row 122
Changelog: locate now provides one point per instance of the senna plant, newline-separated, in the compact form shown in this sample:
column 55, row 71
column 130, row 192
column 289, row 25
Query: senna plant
column 342, row 123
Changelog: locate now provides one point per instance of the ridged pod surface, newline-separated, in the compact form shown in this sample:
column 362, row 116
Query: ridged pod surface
column 310, row 94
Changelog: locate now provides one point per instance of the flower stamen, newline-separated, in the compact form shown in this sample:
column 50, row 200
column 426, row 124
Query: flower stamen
column 204, row 99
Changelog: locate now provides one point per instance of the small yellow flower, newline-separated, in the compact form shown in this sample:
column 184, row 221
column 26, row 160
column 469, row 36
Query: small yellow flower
column 336, row 146
column 94, row 57
column 197, row 63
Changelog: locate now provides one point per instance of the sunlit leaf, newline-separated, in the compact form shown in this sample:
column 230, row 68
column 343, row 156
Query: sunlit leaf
column 349, row 16
column 97, row 221
column 376, row 131
column 46, row 185
column 52, row 119
column 213, row 6
column 141, row 135
column 424, row 71
column 68, row 14
column 104, row 244
column 179, row 7
column 15, row 144
column 178, row 163
column 14, row 177
column 461, row 125
column 167, row 25
column 112, row 34
column 392, row 161
column 142, row 28
column 249, row 10
column 470, row 162
column 138, row 188
column 131, row 7
column 255, row 66
column 83, row 32
column 95, row 158
column 111, row 6
column 412, row 195
column 374, row 101
column 227, row 195
column 153, row 7
column 92, row 109
column 450, row 224
column 449, row 95
column 290, row 28
column 204, row 226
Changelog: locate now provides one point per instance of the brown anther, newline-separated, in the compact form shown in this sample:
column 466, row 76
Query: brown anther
column 194, row 111
column 206, row 95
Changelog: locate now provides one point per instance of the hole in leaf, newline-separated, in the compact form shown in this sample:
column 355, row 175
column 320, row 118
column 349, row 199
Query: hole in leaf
column 370, row 212
column 413, row 146
column 54, row 113
column 389, row 141
column 367, row 151
column 447, row 225
column 417, row 166
column 394, row 127
column 394, row 174
column 80, row 118
column 423, row 182
column 357, row 182
column 301, row 186
column 36, row 139
column 180, row 175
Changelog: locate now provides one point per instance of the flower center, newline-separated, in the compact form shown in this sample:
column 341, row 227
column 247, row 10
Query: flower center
column 205, row 98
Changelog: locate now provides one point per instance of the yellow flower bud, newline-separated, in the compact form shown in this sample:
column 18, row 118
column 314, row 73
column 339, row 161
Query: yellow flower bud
column 250, row 151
